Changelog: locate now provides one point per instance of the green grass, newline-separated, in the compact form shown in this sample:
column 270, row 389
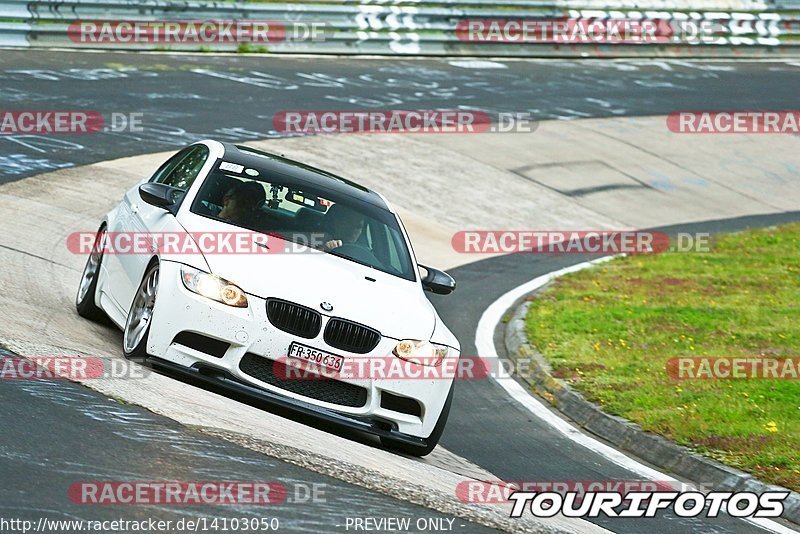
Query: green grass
column 249, row 48
column 609, row 332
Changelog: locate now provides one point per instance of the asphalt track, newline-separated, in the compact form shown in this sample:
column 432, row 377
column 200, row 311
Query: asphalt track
column 189, row 97
column 57, row 434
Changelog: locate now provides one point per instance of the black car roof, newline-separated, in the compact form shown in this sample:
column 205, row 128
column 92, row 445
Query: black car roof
column 300, row 172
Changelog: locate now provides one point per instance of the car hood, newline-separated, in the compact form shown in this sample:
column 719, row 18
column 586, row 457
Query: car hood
column 397, row 308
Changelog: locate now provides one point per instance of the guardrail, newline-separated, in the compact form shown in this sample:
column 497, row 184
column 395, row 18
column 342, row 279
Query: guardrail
column 408, row 27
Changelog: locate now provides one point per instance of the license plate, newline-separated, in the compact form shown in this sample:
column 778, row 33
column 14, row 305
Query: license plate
column 316, row 356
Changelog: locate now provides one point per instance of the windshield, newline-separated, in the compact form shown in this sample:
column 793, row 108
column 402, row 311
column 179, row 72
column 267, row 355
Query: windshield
column 323, row 220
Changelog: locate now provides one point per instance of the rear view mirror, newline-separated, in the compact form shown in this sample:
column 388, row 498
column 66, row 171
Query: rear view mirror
column 438, row 282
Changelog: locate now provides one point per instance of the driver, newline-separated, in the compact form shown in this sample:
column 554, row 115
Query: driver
column 241, row 201
column 345, row 226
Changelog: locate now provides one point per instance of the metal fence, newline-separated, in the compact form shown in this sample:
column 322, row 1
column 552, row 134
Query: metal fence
column 408, row 27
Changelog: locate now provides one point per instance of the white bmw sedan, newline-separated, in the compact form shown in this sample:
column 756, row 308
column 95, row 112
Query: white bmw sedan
column 280, row 281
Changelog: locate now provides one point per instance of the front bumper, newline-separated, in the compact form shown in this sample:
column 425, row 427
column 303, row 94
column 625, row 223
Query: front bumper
column 299, row 407
column 247, row 331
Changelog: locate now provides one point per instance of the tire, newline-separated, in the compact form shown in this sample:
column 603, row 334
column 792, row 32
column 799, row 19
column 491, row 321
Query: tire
column 137, row 326
column 431, row 441
column 87, row 289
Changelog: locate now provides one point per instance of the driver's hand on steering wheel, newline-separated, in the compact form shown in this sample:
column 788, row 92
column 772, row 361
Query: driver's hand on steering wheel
column 333, row 243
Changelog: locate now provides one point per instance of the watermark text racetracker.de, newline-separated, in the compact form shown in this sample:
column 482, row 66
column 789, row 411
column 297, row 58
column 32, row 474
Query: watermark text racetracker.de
column 68, row 368
column 182, row 493
column 195, row 243
column 577, row 242
column 571, row 30
column 194, row 32
column 604, row 28
column 66, row 122
column 320, row 365
column 401, row 121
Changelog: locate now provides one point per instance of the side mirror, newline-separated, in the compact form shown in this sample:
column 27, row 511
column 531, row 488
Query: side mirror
column 160, row 195
column 437, row 281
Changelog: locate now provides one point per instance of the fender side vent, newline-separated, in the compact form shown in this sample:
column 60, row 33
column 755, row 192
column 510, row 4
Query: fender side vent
column 207, row 345
column 396, row 403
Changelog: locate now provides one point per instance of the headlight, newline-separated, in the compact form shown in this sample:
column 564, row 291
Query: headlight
column 213, row 287
column 421, row 352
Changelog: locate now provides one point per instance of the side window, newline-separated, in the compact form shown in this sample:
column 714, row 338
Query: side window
column 170, row 164
column 184, row 173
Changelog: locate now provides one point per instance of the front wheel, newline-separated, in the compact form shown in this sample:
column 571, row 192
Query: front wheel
column 137, row 327
column 87, row 290
column 433, row 439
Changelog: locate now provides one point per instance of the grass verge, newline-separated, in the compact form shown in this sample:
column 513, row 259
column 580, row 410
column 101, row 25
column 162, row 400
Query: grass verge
column 610, row 331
